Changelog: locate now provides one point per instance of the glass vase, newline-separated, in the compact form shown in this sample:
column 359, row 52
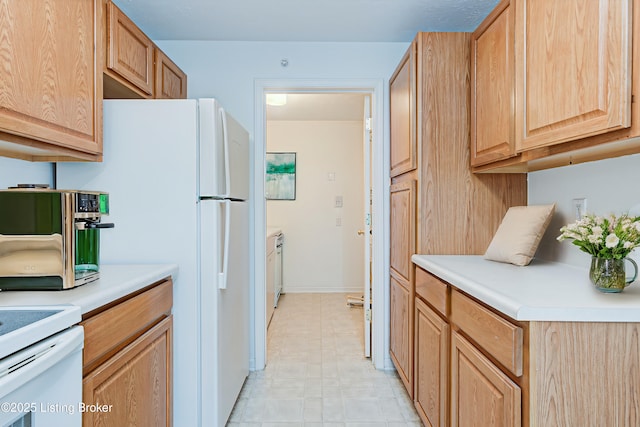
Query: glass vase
column 608, row 274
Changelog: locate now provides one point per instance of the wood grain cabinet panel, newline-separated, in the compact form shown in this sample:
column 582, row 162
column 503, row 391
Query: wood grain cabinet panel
column 433, row 290
column 403, row 223
column 401, row 326
column 498, row 337
column 135, row 384
column 403, row 111
column 129, row 51
column 437, row 206
column 573, row 69
column 50, row 79
column 170, row 80
column 110, row 330
column 127, row 360
column 585, row 373
column 493, row 87
column 431, row 362
column 481, row 394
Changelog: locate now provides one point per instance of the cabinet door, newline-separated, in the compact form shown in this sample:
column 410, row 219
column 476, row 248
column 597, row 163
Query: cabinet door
column 129, row 51
column 573, row 69
column 431, row 366
column 481, row 394
column 492, row 87
column 170, row 80
column 401, row 333
column 135, row 383
column 402, row 231
column 403, row 113
column 50, row 78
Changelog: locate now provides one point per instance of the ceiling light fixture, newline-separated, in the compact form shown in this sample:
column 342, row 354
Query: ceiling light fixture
column 276, row 99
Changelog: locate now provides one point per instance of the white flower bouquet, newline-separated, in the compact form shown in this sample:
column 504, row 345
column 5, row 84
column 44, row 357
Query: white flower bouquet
column 604, row 237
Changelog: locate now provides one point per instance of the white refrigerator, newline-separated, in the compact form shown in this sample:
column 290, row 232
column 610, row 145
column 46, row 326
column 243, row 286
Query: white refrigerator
column 177, row 174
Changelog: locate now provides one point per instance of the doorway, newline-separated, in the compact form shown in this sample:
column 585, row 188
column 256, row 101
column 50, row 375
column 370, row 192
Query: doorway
column 316, row 179
column 295, row 89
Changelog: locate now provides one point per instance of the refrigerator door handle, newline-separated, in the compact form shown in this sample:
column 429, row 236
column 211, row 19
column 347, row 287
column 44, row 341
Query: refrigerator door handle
column 225, row 139
column 224, row 253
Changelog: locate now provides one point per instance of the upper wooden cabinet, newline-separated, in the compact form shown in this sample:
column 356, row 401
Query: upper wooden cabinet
column 493, row 87
column 134, row 66
column 170, row 80
column 403, row 112
column 573, row 69
column 575, row 80
column 51, row 80
column 129, row 51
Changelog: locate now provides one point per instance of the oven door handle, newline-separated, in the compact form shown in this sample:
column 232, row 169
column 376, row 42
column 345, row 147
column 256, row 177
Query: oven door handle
column 25, row 365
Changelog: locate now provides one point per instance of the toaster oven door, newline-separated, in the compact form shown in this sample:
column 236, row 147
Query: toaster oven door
column 32, row 240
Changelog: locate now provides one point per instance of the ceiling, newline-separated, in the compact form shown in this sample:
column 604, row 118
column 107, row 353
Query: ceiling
column 319, row 106
column 302, row 20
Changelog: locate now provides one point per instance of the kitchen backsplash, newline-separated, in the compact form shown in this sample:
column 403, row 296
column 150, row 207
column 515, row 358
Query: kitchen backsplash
column 609, row 186
column 14, row 172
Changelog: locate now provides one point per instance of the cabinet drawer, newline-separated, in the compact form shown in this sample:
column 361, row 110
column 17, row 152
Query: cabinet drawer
column 432, row 290
column 500, row 338
column 112, row 329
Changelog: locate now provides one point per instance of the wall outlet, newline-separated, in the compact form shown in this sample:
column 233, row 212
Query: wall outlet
column 338, row 201
column 579, row 207
column 338, row 222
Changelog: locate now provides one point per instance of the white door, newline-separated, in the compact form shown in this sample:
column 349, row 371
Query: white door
column 367, row 226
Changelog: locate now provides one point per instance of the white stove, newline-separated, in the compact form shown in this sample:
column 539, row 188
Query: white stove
column 40, row 366
column 22, row 326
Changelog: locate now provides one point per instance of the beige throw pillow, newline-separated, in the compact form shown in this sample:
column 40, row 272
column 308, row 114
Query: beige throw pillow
column 519, row 234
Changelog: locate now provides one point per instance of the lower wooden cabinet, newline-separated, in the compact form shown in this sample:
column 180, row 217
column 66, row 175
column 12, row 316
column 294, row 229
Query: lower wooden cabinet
column 127, row 361
column 134, row 386
column 401, row 322
column 476, row 367
column 431, row 367
column 481, row 394
column 465, row 358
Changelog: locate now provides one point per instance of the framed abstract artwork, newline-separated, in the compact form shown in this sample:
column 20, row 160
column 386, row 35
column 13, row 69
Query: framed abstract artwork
column 281, row 176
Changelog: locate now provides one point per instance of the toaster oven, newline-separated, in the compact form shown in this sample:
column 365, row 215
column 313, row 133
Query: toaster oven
column 50, row 239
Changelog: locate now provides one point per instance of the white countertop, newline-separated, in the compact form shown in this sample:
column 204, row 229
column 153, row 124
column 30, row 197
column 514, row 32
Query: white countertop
column 541, row 291
column 115, row 282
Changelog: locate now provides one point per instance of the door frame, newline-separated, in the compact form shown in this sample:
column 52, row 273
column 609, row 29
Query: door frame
column 380, row 209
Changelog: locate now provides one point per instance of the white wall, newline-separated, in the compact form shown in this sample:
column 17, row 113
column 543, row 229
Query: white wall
column 13, row 171
column 232, row 71
column 610, row 186
column 228, row 70
column 320, row 256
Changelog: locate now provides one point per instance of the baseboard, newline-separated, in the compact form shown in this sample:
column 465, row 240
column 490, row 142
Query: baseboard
column 323, row 290
column 388, row 364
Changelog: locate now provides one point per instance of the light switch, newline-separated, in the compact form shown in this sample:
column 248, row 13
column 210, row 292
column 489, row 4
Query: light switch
column 338, row 201
column 331, row 176
column 338, row 222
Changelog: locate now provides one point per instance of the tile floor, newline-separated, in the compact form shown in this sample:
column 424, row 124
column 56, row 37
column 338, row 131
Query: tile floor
column 316, row 373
